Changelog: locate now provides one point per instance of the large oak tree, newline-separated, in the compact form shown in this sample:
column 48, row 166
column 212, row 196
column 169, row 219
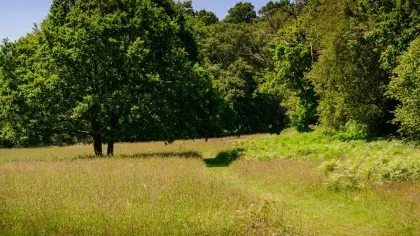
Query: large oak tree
column 127, row 60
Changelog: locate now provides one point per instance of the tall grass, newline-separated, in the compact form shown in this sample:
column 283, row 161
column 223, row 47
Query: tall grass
column 179, row 148
column 127, row 196
column 150, row 188
column 203, row 188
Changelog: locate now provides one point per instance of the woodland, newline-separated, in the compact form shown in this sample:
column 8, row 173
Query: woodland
column 107, row 71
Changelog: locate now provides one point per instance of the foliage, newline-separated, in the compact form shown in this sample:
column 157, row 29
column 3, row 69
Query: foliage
column 26, row 90
column 242, row 12
column 142, row 70
column 112, row 62
column 377, row 168
column 317, row 145
column 293, row 55
column 343, row 87
column 347, row 163
column 236, row 56
column 291, row 63
column 208, row 17
column 355, row 65
column 405, row 87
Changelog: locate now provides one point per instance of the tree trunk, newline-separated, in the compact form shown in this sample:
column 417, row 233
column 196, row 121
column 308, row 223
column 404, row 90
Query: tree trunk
column 97, row 138
column 110, row 151
column 111, row 141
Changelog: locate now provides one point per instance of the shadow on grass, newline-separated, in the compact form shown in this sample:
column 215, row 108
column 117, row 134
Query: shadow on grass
column 188, row 154
column 224, row 159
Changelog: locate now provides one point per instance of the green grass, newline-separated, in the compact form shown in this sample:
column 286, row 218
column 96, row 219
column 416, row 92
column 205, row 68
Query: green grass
column 348, row 164
column 197, row 187
column 383, row 210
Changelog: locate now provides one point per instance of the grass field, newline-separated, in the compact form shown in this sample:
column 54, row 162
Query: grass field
column 197, row 187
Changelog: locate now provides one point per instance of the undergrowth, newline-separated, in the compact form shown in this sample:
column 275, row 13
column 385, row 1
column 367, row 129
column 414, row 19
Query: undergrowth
column 346, row 163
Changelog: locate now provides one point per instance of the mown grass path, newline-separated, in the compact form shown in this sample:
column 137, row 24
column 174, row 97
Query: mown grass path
column 310, row 207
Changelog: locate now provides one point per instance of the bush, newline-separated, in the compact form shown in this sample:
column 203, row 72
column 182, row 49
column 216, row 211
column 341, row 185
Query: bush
column 344, row 162
column 378, row 168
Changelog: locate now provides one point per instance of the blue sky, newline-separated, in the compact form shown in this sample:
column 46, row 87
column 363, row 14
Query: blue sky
column 18, row 16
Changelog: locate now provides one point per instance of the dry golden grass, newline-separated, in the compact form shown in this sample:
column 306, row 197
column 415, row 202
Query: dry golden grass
column 127, row 196
column 207, row 149
column 58, row 191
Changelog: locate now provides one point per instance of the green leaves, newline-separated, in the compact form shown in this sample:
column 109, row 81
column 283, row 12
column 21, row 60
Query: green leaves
column 356, row 59
column 158, row 70
column 242, row 12
column 207, row 17
column 104, row 66
column 293, row 56
column 24, row 71
column 237, row 56
column 405, row 87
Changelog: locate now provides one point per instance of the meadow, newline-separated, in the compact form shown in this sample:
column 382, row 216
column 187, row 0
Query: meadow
column 252, row 185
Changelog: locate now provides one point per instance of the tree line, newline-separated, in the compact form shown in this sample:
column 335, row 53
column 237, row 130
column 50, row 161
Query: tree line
column 141, row 70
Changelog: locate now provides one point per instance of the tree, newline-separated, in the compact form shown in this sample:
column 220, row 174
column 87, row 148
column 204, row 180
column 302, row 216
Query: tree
column 237, row 56
column 9, row 120
column 25, row 75
column 349, row 86
column 293, row 53
column 120, row 60
column 405, row 87
column 254, row 110
column 186, row 7
column 291, row 64
column 207, row 17
column 275, row 15
column 242, row 12
column 357, row 61
column 269, row 9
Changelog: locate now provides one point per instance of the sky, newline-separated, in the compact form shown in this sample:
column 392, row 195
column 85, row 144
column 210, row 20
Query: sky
column 17, row 17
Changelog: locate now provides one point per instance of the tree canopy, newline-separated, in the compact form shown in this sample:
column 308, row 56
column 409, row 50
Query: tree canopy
column 138, row 70
column 113, row 62
column 405, row 87
column 242, row 12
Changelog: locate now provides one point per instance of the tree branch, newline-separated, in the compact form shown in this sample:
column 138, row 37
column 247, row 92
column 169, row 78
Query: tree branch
column 253, row 55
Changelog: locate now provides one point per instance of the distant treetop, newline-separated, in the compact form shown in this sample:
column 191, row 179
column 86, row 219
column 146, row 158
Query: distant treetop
column 242, row 12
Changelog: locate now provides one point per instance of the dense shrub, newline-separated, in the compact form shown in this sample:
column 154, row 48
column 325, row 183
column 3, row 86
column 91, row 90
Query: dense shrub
column 346, row 163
